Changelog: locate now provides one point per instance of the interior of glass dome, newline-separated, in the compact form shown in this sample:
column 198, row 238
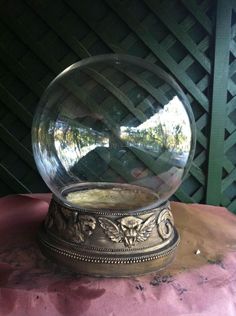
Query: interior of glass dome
column 114, row 122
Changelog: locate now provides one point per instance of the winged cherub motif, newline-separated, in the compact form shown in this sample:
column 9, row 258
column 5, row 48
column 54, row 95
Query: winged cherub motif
column 129, row 229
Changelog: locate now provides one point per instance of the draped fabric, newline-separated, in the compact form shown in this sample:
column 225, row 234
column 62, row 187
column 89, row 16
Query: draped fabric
column 201, row 281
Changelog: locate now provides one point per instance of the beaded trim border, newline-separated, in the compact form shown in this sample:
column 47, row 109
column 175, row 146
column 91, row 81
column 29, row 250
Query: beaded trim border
column 106, row 260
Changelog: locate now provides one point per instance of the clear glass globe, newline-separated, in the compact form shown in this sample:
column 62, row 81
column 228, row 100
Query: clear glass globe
column 113, row 131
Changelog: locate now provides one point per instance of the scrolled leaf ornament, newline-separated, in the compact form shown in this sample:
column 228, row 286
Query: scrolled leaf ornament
column 165, row 223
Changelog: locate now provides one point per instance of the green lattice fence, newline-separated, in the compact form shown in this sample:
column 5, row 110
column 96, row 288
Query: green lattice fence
column 195, row 41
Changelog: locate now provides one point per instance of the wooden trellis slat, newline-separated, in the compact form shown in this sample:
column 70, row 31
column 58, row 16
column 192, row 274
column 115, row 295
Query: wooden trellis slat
column 117, row 93
column 17, row 146
column 14, row 183
column 204, row 142
column 100, row 30
column 232, row 206
column 42, row 51
column 62, row 32
column 198, row 12
column 230, row 141
column 218, row 115
column 228, row 180
column 158, row 50
column 27, row 77
column 16, row 107
column 179, row 31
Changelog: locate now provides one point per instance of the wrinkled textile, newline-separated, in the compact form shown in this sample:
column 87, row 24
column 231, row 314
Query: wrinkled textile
column 201, row 281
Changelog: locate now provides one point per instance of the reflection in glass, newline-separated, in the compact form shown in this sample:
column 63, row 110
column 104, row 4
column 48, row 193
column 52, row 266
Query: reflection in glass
column 115, row 123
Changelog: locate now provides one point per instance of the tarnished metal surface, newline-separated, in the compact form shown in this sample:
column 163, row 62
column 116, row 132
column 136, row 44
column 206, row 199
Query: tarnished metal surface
column 111, row 243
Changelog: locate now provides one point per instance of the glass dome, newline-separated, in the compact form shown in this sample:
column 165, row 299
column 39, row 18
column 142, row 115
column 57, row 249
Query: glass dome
column 113, row 131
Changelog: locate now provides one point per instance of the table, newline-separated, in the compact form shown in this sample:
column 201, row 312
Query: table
column 201, row 281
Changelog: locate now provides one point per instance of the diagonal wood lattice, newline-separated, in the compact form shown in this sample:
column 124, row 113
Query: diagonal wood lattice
column 38, row 39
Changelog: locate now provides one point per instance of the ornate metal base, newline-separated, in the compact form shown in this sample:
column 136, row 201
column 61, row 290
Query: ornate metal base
column 109, row 243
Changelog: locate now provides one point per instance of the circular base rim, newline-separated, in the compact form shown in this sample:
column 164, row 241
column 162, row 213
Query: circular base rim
column 114, row 265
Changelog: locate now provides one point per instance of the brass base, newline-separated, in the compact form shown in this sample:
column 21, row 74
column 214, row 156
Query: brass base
column 109, row 243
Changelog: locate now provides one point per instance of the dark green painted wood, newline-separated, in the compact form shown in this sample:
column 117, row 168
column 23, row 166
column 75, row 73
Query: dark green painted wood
column 199, row 13
column 165, row 15
column 218, row 112
column 157, row 49
column 17, row 146
column 14, row 183
column 68, row 37
column 228, row 180
column 232, row 206
column 15, row 106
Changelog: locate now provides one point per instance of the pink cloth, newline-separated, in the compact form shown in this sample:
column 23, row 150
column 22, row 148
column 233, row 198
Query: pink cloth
column 32, row 285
